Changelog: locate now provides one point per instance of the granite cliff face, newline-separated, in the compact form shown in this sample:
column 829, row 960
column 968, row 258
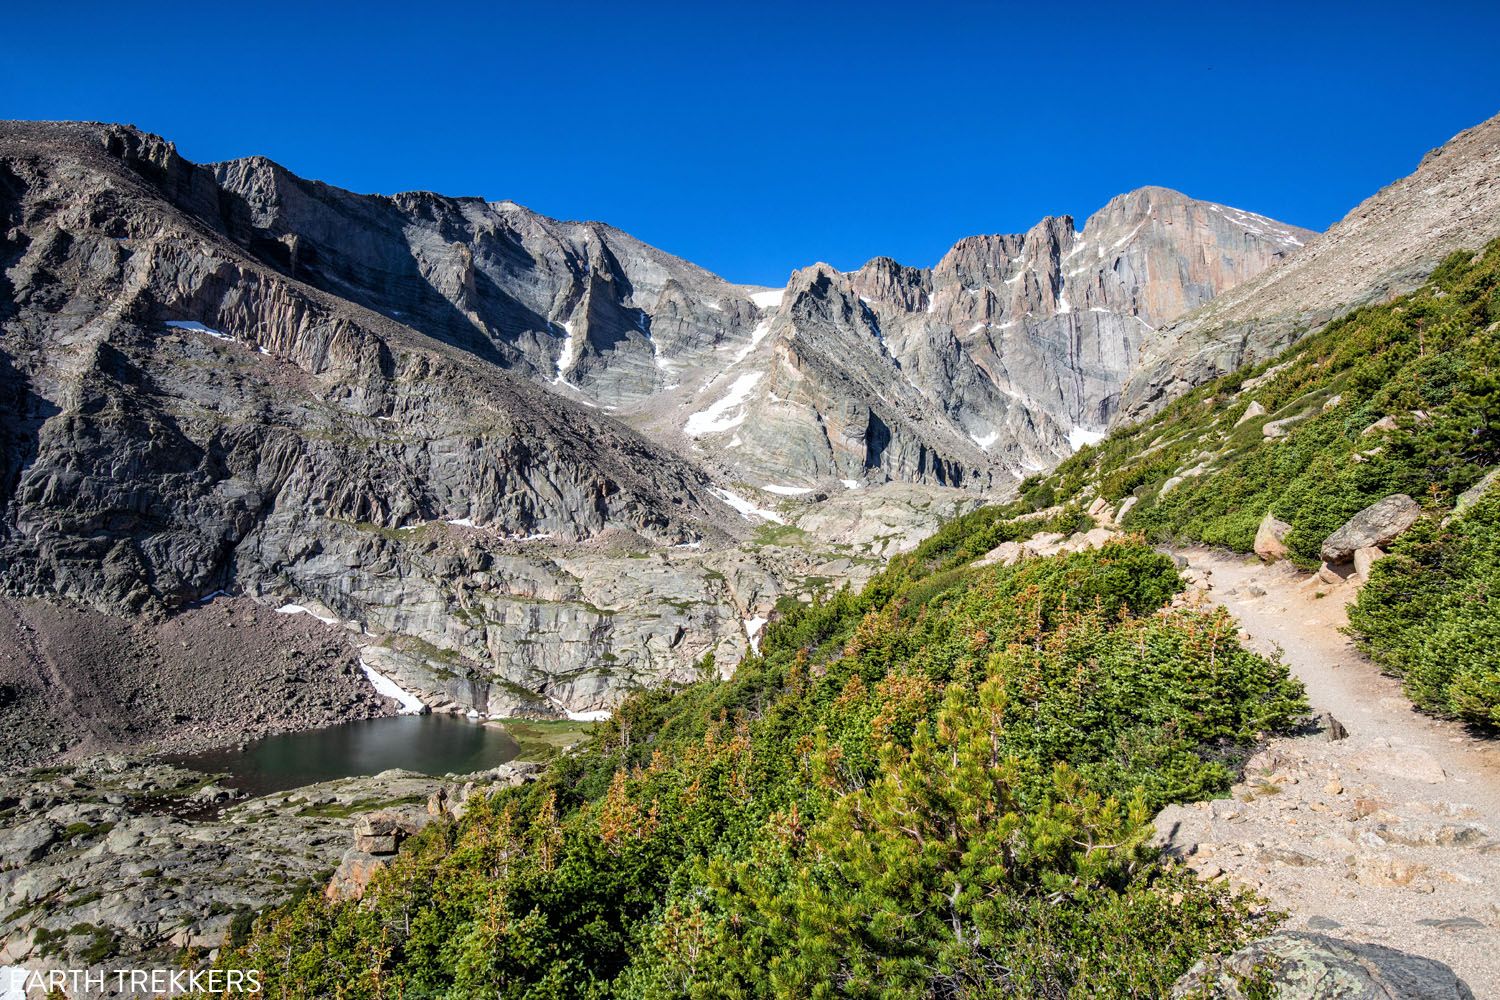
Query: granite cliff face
column 1385, row 247
column 999, row 361
column 181, row 419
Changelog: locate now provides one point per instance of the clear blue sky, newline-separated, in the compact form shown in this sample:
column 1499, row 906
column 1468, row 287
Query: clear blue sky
column 755, row 138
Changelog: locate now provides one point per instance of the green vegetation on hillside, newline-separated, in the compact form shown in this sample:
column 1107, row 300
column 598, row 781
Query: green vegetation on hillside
column 940, row 786
column 1398, row 398
column 1431, row 612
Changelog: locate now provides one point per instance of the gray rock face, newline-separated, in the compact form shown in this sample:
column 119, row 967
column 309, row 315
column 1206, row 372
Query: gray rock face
column 121, row 875
column 970, row 373
column 1378, row 524
column 577, row 304
column 27, row 842
column 1387, row 245
column 1001, row 359
column 181, row 418
column 1304, row 966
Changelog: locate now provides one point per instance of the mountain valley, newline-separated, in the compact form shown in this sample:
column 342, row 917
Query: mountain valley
column 866, row 636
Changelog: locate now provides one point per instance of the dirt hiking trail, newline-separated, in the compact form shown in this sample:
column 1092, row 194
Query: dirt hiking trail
column 1387, row 836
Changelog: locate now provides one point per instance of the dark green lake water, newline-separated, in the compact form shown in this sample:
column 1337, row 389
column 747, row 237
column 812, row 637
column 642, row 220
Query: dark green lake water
column 428, row 744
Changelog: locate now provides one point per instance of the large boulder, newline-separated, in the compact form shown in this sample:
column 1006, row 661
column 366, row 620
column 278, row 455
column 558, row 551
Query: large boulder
column 382, row 832
column 1251, row 412
column 26, row 842
column 1269, row 538
column 1376, row 525
column 1298, row 965
column 353, row 875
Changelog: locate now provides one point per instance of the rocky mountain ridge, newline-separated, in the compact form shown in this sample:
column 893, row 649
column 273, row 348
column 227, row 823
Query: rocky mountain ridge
column 1000, row 360
column 1386, row 246
column 970, row 373
column 413, row 414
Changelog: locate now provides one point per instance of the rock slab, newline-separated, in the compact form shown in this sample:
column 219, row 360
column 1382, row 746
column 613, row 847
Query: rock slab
column 1305, row 966
column 1378, row 524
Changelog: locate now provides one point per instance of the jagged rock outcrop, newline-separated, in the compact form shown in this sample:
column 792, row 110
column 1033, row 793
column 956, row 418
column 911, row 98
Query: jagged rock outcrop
column 1004, row 357
column 972, row 373
column 1386, row 246
column 579, row 304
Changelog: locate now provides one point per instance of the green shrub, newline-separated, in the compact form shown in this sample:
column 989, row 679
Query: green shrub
column 938, row 785
column 1431, row 614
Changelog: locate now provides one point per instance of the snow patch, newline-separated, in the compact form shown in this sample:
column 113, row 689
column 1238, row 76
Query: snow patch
column 595, row 715
column 787, row 491
column 463, row 522
column 769, row 299
column 753, row 628
column 728, row 412
column 1127, row 237
column 756, row 336
column 568, row 356
column 747, row 509
column 977, row 327
column 1078, row 437
column 297, row 609
column 986, row 441
column 850, row 484
column 182, row 324
column 410, row 703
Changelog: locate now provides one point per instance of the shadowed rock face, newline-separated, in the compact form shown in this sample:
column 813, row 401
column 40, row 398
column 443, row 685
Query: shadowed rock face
column 1389, row 244
column 180, row 418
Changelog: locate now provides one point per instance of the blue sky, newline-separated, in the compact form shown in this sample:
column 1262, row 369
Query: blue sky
column 754, row 139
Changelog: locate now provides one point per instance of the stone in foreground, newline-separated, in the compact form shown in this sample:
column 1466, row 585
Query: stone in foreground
column 1301, row 966
column 1270, row 538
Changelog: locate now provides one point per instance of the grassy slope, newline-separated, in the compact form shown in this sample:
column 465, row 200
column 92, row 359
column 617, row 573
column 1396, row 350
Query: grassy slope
column 939, row 786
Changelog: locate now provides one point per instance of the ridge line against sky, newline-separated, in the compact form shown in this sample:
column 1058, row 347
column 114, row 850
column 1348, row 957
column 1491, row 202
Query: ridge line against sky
column 755, row 139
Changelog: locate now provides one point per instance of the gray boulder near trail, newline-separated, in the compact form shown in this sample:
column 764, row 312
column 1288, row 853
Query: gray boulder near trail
column 1297, row 965
column 1378, row 524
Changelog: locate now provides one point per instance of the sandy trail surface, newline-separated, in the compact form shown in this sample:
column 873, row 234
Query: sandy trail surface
column 1391, row 835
